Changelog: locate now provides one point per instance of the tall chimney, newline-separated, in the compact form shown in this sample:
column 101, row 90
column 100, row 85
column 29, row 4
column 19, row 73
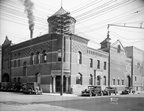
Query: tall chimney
column 31, row 28
column 29, row 6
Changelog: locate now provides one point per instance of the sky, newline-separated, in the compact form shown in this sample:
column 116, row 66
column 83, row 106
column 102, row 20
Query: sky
column 92, row 16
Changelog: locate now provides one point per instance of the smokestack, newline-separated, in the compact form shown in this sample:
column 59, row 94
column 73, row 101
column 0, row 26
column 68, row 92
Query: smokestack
column 29, row 6
column 31, row 28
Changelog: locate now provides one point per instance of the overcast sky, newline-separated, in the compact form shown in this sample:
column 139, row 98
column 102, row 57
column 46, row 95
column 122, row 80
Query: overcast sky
column 92, row 17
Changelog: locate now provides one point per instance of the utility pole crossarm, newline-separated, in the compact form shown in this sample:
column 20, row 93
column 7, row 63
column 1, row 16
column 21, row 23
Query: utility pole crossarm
column 125, row 26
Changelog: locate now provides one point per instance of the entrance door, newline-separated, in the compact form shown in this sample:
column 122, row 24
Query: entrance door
column 58, row 83
column 5, row 78
column 128, row 81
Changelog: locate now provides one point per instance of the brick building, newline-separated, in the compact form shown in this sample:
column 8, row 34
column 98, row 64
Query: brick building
column 119, row 64
column 137, row 57
column 39, row 60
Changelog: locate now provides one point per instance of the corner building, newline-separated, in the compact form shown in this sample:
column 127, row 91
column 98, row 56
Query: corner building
column 39, row 60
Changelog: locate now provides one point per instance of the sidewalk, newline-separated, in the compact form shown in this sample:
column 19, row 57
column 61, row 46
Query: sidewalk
column 58, row 94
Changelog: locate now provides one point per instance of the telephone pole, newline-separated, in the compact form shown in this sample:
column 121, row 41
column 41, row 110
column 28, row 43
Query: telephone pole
column 62, row 26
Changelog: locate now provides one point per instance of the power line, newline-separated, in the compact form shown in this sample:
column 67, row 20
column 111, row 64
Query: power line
column 101, row 12
column 95, row 24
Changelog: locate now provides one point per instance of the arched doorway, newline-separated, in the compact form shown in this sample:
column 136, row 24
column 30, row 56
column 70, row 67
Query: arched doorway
column 5, row 78
column 128, row 81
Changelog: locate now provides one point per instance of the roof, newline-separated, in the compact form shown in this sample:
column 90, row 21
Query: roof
column 60, row 12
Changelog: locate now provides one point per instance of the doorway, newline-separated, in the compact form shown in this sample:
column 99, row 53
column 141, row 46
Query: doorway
column 128, row 81
column 58, row 83
column 5, row 78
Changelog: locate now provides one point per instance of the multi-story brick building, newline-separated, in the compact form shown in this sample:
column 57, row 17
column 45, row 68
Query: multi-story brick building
column 137, row 57
column 39, row 60
column 119, row 64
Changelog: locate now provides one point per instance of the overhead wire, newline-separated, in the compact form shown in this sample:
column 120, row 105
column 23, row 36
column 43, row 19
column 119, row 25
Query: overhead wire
column 85, row 6
column 131, row 12
column 101, row 26
column 104, row 10
column 94, row 9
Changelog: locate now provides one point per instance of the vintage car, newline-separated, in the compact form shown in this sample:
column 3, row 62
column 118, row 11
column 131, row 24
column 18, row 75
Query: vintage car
column 110, row 90
column 128, row 90
column 32, row 88
column 4, row 86
column 92, row 91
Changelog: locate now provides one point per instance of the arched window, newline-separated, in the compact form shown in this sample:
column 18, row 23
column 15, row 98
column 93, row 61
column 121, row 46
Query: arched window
column 79, row 57
column 15, row 80
column 37, row 58
column 113, row 81
column 118, row 82
column 15, row 63
column 44, row 57
column 119, row 49
column 79, row 79
column 98, row 80
column 24, row 68
column 32, row 59
column 104, row 80
column 91, row 79
column 19, row 80
column 18, row 63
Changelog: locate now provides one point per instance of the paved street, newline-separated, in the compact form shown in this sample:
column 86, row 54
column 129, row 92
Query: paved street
column 55, row 102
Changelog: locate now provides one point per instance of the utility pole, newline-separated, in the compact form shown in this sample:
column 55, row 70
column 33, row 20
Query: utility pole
column 62, row 26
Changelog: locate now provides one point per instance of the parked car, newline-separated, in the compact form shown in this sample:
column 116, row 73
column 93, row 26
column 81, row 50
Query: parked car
column 128, row 90
column 4, row 86
column 32, row 88
column 110, row 90
column 92, row 91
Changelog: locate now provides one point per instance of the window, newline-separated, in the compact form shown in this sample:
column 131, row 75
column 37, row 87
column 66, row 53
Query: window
column 113, row 81
column 119, row 49
column 118, row 82
column 98, row 80
column 59, row 55
column 79, row 57
column 138, row 65
column 122, row 82
column 18, row 79
column 91, row 79
column 98, row 64
column 104, row 65
column 32, row 59
column 24, row 68
column 79, row 79
column 14, row 79
column 15, row 63
column 91, row 62
column 104, row 80
column 37, row 58
column 44, row 57
column 18, row 63
column 135, row 78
